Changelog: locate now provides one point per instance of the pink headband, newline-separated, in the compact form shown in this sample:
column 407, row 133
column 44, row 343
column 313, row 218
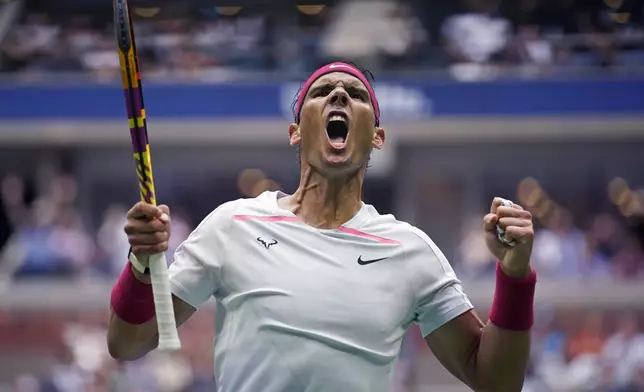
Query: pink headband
column 337, row 67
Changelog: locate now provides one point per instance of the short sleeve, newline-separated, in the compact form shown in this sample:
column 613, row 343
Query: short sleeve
column 439, row 295
column 195, row 274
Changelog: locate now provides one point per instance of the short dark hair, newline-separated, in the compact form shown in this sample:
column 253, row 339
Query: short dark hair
column 365, row 72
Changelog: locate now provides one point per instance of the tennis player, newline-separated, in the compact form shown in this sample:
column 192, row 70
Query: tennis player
column 315, row 290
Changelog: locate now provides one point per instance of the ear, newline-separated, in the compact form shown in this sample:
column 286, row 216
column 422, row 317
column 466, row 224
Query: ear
column 378, row 138
column 294, row 136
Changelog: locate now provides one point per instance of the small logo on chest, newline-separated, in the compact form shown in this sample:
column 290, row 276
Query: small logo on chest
column 267, row 243
column 361, row 261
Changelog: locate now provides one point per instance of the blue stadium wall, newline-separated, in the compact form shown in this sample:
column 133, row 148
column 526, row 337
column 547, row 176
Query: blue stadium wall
column 401, row 99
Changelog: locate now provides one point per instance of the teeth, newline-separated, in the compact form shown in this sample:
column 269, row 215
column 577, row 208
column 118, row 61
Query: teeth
column 337, row 117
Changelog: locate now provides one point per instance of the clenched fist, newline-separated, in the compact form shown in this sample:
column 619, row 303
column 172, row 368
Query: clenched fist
column 148, row 230
column 517, row 224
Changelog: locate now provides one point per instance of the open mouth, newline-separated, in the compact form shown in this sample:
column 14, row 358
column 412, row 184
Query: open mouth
column 337, row 129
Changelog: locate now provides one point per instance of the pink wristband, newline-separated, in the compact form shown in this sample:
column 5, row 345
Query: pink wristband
column 132, row 300
column 513, row 305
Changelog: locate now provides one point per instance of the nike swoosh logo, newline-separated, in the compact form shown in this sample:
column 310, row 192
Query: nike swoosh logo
column 365, row 262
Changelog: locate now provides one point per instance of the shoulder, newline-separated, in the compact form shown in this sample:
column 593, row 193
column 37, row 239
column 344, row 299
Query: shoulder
column 425, row 261
column 414, row 241
column 226, row 213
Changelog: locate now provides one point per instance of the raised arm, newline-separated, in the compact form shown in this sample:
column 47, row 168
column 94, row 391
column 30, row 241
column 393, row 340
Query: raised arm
column 493, row 356
column 132, row 330
column 484, row 356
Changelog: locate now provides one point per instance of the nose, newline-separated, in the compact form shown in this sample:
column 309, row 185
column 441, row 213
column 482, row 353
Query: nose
column 339, row 97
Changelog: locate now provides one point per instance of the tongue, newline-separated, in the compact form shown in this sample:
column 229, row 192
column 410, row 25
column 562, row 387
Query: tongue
column 337, row 141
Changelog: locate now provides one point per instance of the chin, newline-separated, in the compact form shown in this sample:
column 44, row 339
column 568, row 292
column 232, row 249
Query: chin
column 336, row 165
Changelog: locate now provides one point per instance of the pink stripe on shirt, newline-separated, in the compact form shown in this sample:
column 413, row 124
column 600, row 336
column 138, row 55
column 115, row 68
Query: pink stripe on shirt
column 344, row 229
column 362, row 234
column 275, row 218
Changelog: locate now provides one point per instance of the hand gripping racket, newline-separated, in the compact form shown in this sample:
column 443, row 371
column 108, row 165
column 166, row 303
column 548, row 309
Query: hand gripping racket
column 168, row 336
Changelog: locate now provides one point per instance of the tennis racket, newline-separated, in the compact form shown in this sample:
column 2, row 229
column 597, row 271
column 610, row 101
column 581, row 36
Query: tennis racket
column 168, row 336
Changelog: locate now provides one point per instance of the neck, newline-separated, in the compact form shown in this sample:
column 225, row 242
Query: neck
column 324, row 202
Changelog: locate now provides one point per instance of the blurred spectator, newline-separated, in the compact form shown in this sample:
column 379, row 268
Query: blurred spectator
column 590, row 339
column 474, row 257
column 112, row 240
column 51, row 233
column 67, row 375
column 478, row 34
column 551, row 343
column 604, row 240
column 595, row 24
column 623, row 357
column 30, row 41
column 70, row 241
column 171, row 372
column 559, row 370
column 353, row 32
column 85, row 339
column 101, row 59
column 30, row 383
column 560, row 248
column 180, row 231
column 628, row 263
column 402, row 37
column 34, row 236
column 532, row 49
column 12, row 206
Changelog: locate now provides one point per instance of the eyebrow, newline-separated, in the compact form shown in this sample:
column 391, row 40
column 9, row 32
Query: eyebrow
column 349, row 85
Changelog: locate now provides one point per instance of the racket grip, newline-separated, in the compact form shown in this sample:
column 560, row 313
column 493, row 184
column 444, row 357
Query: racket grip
column 166, row 323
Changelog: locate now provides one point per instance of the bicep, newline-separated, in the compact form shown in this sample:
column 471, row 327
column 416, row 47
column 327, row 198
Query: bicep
column 455, row 344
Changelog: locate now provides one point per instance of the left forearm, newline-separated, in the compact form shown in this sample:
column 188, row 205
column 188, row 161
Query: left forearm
column 501, row 359
column 504, row 345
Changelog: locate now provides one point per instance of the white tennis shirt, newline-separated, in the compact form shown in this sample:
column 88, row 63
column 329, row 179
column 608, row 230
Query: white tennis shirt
column 301, row 309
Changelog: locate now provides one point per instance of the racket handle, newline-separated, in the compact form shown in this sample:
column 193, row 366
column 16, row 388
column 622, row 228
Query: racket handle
column 166, row 323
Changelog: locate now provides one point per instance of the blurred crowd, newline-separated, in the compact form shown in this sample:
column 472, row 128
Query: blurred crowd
column 576, row 350
column 588, row 351
column 46, row 236
column 530, row 35
column 48, row 231
column 50, row 352
column 607, row 247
